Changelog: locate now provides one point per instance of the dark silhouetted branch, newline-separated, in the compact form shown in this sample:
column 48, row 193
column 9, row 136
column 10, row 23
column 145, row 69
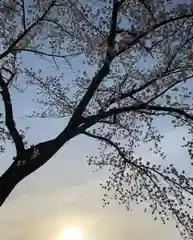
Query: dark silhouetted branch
column 21, row 36
column 102, row 73
column 9, row 116
column 23, row 17
column 90, row 121
column 151, row 29
column 144, row 168
column 148, row 8
column 47, row 54
column 30, row 160
column 86, row 20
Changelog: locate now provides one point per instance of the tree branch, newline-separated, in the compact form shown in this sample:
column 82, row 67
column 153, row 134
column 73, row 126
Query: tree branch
column 30, row 160
column 12, row 46
column 148, row 8
column 23, row 17
column 86, row 20
column 188, row 40
column 111, row 143
column 9, row 117
column 58, row 25
column 62, row 98
column 90, row 121
column 46, row 54
column 156, row 26
column 134, row 164
column 132, row 92
column 168, row 88
column 102, row 73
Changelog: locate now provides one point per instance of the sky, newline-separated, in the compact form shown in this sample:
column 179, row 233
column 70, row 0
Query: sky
column 65, row 192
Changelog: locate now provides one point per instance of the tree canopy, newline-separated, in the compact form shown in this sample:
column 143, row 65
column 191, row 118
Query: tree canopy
column 136, row 62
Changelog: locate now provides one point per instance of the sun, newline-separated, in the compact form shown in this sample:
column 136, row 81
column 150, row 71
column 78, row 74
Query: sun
column 72, row 233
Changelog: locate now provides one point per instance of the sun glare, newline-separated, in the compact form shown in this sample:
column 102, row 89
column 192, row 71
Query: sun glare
column 71, row 234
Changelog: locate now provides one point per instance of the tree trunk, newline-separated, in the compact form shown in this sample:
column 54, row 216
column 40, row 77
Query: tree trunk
column 15, row 173
column 8, row 181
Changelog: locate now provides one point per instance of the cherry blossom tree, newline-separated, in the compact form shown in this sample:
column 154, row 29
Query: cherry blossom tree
column 141, row 52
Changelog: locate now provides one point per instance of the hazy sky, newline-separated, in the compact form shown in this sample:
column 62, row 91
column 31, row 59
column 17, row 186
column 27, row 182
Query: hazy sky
column 65, row 191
